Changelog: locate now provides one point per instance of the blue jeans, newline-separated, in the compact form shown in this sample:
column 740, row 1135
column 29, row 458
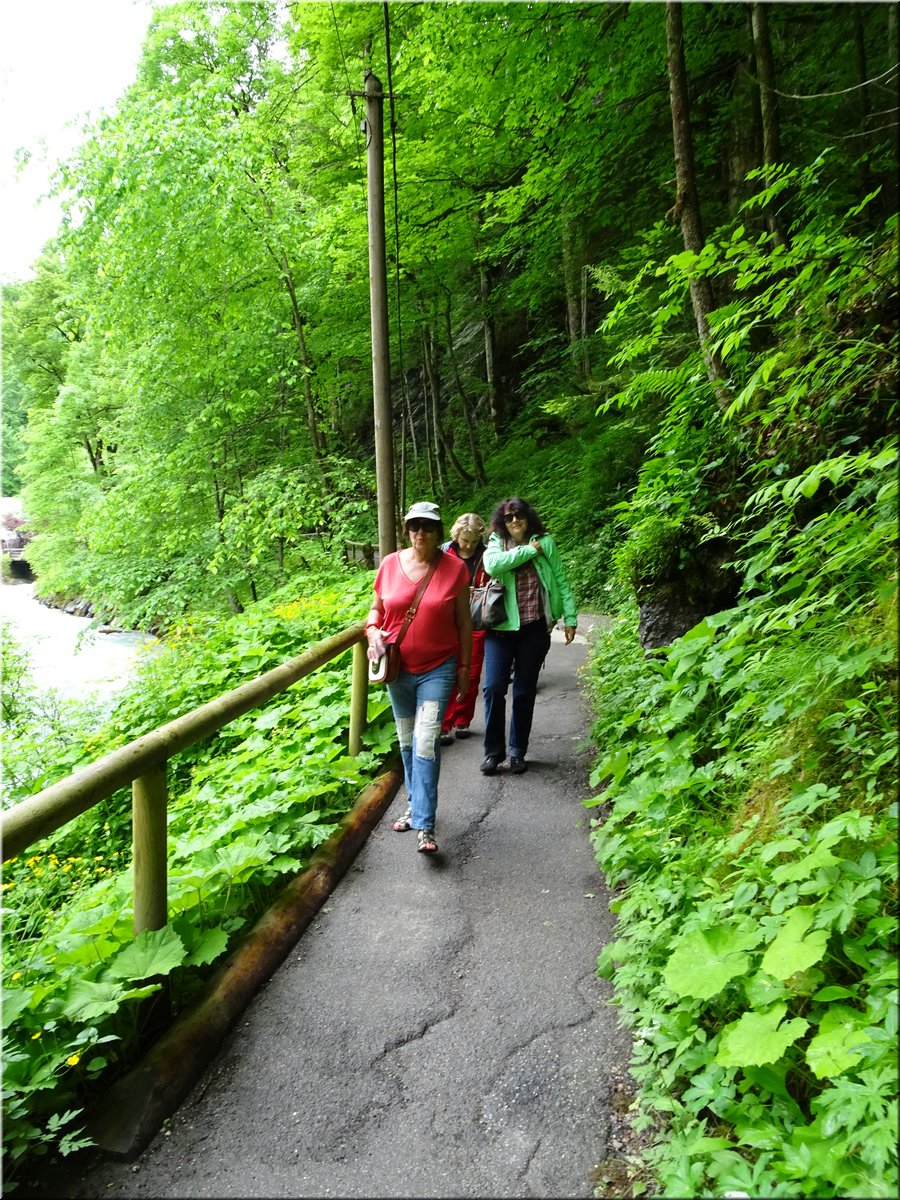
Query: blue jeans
column 525, row 650
column 419, row 702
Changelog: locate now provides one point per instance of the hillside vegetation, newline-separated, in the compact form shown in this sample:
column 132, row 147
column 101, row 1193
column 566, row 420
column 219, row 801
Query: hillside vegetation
column 642, row 266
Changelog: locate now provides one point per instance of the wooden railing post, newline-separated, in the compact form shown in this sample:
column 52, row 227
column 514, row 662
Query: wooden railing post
column 149, row 798
column 142, row 764
column 359, row 697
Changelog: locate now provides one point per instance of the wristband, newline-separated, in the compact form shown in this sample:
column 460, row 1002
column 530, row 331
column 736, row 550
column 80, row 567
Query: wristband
column 371, row 625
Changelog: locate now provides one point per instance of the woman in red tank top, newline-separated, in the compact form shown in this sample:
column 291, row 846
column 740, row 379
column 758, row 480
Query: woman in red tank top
column 435, row 655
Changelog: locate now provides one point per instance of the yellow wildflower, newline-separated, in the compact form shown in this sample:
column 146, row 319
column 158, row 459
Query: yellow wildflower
column 35, row 1036
column 73, row 1060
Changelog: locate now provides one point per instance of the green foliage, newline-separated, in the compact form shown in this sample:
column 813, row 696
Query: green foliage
column 811, row 356
column 749, row 830
column 181, row 463
column 42, row 731
column 802, row 390
column 600, row 466
column 193, row 352
column 14, row 414
column 246, row 809
column 749, row 826
column 193, row 357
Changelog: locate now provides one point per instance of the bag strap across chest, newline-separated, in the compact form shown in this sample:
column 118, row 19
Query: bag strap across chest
column 420, row 592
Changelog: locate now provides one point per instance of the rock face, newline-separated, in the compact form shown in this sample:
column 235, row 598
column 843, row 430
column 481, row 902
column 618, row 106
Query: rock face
column 80, row 608
column 75, row 608
column 670, row 607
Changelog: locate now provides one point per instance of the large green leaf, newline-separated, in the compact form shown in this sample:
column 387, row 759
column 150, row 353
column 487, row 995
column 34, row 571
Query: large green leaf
column 805, row 867
column 15, row 1001
column 793, row 949
column 706, row 959
column 152, row 953
column 834, row 1048
column 88, row 1000
column 209, row 947
column 758, row 1038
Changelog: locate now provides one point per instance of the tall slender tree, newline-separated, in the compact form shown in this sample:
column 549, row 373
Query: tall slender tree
column 687, row 199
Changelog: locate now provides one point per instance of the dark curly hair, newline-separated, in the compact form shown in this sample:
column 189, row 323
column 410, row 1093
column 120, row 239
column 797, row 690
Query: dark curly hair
column 520, row 508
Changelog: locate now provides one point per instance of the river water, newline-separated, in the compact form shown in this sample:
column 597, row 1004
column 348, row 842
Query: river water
column 63, row 654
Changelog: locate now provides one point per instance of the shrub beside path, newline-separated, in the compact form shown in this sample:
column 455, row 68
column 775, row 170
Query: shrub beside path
column 439, row 1030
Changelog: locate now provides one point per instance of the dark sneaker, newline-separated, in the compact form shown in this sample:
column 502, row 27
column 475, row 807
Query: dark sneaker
column 517, row 766
column 490, row 764
column 463, row 732
column 446, row 739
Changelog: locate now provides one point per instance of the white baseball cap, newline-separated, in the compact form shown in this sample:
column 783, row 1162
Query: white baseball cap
column 423, row 510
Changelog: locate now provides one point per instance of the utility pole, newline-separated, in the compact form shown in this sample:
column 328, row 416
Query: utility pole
column 381, row 360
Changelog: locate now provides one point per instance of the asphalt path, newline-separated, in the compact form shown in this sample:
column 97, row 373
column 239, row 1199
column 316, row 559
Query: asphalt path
column 439, row 1030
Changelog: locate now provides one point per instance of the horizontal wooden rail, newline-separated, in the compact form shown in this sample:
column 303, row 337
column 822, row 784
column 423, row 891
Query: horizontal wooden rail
column 46, row 811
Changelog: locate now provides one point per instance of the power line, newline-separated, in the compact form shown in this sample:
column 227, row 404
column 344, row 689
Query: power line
column 346, row 74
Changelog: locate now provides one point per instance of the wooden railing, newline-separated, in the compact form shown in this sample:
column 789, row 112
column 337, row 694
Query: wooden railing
column 143, row 764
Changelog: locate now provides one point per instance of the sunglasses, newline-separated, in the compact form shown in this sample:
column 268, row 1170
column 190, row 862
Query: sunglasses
column 508, row 518
column 421, row 527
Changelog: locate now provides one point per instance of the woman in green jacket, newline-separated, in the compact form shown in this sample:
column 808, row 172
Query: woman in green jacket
column 524, row 558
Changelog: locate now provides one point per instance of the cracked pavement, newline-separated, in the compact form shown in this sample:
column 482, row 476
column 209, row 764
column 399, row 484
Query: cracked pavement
column 439, row 1030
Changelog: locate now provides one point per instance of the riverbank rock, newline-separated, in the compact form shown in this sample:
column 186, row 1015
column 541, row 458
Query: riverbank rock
column 80, row 608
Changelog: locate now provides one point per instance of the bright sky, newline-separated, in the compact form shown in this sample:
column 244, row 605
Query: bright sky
column 59, row 60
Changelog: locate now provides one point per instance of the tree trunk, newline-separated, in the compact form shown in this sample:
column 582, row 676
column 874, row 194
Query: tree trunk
column 279, row 256
column 235, row 458
column 467, row 405
column 887, row 200
column 746, row 139
column 584, row 320
column 428, row 465
column 432, row 393
column 298, row 321
column 443, row 442
column 490, row 345
column 401, row 479
column 687, row 204
column 433, row 481
column 765, row 73
column 233, row 602
column 411, row 427
column 768, row 105
column 862, row 92
column 571, row 261
column 94, row 453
